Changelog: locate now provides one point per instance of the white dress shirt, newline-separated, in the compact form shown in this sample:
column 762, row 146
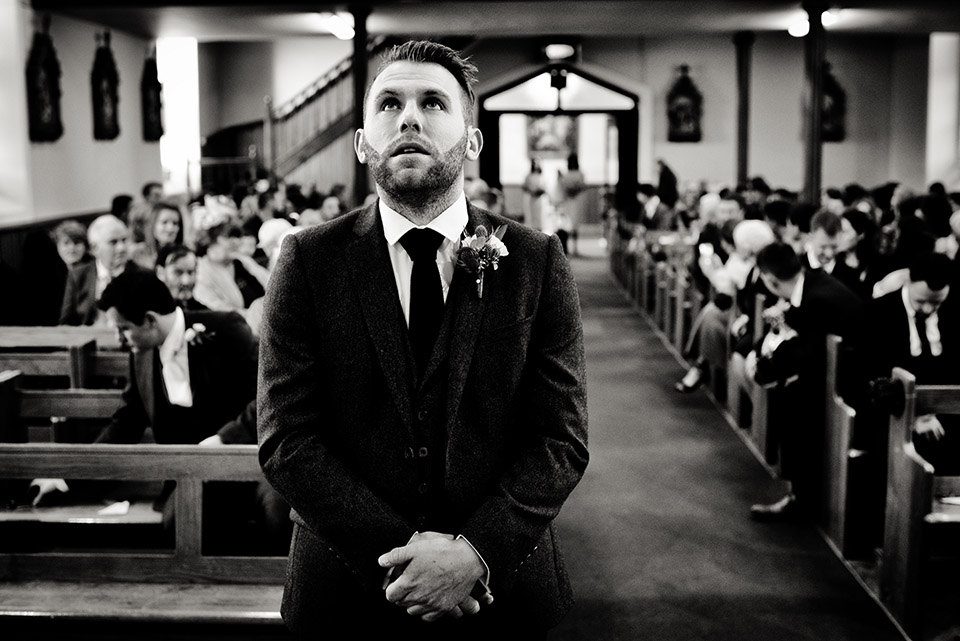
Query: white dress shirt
column 931, row 324
column 450, row 224
column 175, row 364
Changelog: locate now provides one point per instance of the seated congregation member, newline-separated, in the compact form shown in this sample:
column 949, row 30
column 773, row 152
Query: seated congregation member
column 916, row 328
column 177, row 269
column 138, row 213
column 164, row 226
column 822, row 249
column 109, row 243
column 193, row 377
column 814, row 304
column 227, row 279
column 47, row 261
column 708, row 335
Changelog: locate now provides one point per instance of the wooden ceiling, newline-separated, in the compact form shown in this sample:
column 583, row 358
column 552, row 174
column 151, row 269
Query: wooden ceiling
column 212, row 20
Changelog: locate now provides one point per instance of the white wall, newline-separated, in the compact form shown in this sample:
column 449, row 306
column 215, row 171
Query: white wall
column 235, row 76
column 908, row 110
column 298, row 62
column 16, row 197
column 884, row 79
column 77, row 173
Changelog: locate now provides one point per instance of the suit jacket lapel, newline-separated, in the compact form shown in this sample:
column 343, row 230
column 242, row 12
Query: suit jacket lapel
column 369, row 266
column 465, row 312
column 143, row 363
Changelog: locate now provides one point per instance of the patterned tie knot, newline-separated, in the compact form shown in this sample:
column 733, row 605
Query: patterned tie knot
column 422, row 244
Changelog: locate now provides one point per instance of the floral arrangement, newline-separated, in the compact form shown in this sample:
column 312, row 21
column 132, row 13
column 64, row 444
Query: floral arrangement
column 196, row 334
column 481, row 251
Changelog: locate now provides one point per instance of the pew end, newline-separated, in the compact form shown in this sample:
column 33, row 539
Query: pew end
column 920, row 529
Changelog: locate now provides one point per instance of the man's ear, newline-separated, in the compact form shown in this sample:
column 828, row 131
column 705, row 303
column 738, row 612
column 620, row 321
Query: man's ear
column 358, row 147
column 474, row 143
column 151, row 319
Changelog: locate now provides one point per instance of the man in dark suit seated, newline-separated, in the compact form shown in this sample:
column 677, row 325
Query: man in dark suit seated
column 822, row 250
column 916, row 328
column 792, row 358
column 424, row 416
column 192, row 379
column 108, row 239
column 177, row 268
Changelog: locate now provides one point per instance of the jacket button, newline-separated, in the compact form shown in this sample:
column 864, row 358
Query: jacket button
column 423, row 452
column 422, row 415
column 408, row 453
column 423, row 488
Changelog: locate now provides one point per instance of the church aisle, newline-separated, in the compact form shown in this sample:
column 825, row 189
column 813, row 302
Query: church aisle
column 658, row 539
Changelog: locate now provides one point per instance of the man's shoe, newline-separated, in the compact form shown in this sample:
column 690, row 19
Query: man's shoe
column 785, row 509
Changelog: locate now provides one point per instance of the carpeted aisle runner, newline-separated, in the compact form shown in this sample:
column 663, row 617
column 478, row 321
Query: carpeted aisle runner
column 658, row 539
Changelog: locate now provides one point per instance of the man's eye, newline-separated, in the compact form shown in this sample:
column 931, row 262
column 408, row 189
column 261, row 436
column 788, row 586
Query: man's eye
column 389, row 104
column 433, row 103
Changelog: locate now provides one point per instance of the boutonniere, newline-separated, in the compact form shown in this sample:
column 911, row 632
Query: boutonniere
column 196, row 334
column 481, row 251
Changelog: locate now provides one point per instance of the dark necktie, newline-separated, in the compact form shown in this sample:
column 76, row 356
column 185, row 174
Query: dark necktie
column 426, row 293
column 921, row 321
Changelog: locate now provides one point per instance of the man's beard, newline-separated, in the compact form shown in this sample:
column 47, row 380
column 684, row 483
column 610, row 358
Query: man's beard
column 417, row 189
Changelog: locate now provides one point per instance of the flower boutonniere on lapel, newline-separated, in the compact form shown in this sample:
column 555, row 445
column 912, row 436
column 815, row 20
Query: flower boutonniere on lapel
column 196, row 334
column 481, row 251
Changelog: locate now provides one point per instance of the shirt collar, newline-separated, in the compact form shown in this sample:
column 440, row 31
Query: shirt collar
column 797, row 295
column 175, row 339
column 450, row 224
column 102, row 272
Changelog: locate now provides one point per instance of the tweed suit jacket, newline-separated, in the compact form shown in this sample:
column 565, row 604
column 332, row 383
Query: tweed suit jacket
column 223, row 374
column 339, row 414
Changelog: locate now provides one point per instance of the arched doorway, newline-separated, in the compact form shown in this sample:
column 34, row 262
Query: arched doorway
column 554, row 110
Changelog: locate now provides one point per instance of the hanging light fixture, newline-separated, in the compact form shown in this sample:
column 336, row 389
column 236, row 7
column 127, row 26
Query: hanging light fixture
column 338, row 24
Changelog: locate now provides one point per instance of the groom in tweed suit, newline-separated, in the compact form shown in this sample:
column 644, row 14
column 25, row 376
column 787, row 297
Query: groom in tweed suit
column 423, row 477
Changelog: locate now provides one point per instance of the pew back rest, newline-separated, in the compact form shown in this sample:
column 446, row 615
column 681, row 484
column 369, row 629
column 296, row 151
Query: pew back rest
column 79, row 353
column 188, row 465
column 18, row 406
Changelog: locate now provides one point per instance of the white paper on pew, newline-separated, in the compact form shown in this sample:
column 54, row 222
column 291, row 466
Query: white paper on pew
column 950, row 500
column 115, row 509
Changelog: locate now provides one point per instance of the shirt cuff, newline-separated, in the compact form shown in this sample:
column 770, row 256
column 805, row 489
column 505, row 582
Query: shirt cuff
column 485, row 580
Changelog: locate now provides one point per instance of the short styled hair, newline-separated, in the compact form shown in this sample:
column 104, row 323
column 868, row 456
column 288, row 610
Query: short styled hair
column 169, row 253
column 464, row 71
column 70, row 230
column 779, row 260
column 135, row 292
column 930, row 268
column 828, row 221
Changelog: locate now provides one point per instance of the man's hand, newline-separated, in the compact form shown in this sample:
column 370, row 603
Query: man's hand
column 439, row 575
column 46, row 486
column 929, row 426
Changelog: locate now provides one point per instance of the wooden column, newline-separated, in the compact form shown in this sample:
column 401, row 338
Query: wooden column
column 743, row 41
column 361, row 186
column 814, row 46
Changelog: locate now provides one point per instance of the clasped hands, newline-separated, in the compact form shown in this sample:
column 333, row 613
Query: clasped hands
column 433, row 575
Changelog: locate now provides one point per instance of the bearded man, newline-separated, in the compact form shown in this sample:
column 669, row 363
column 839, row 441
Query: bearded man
column 421, row 397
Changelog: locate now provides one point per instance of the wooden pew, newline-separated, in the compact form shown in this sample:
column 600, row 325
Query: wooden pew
column 844, row 466
column 78, row 353
column 60, row 592
column 188, row 465
column 20, row 408
column 916, row 520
